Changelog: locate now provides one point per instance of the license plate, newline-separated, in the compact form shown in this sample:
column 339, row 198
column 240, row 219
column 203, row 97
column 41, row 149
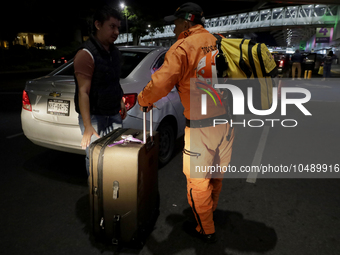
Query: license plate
column 58, row 107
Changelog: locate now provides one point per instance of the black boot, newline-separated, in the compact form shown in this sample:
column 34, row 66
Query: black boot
column 190, row 228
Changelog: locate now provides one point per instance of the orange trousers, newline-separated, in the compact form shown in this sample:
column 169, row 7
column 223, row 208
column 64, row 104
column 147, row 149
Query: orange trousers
column 205, row 147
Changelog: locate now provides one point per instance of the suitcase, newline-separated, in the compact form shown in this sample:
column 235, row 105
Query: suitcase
column 123, row 182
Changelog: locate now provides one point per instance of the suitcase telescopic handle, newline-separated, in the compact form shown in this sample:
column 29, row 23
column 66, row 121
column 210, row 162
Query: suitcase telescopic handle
column 144, row 124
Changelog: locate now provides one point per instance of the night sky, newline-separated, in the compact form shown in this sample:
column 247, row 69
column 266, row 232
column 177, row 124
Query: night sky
column 59, row 18
column 41, row 15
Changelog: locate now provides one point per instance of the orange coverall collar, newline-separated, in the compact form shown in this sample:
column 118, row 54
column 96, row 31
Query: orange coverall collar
column 193, row 30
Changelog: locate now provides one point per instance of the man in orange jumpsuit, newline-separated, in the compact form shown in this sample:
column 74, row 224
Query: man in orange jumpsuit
column 205, row 144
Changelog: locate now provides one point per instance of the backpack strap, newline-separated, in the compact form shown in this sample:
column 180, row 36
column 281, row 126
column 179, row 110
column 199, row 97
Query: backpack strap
column 221, row 62
column 251, row 44
column 242, row 63
column 218, row 41
column 259, row 54
column 221, row 66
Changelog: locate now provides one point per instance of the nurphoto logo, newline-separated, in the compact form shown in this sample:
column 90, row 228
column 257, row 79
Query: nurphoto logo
column 239, row 105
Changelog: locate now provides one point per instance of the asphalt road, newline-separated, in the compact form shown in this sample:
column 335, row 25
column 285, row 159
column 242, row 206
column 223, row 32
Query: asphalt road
column 44, row 196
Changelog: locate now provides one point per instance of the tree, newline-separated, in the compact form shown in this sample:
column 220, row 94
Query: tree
column 138, row 23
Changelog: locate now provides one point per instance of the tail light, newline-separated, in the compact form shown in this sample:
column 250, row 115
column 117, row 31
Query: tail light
column 53, row 61
column 64, row 59
column 281, row 63
column 26, row 104
column 130, row 100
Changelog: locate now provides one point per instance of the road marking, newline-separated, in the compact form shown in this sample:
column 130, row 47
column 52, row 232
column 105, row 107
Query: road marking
column 13, row 136
column 258, row 154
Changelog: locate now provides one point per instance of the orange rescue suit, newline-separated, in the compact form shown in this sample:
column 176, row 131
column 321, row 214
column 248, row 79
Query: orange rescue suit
column 210, row 143
column 178, row 68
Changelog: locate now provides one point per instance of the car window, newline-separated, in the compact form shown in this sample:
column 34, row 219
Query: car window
column 66, row 69
column 129, row 61
column 158, row 63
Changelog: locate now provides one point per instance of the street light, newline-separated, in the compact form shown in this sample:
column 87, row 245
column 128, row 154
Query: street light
column 122, row 6
column 150, row 33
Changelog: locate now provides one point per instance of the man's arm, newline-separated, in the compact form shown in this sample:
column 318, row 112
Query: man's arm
column 84, row 86
column 165, row 78
column 84, row 66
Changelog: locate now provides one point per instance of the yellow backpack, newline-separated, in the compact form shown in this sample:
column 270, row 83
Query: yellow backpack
column 249, row 64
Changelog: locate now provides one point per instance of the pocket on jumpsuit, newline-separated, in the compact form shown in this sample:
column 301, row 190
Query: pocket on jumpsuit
column 196, row 156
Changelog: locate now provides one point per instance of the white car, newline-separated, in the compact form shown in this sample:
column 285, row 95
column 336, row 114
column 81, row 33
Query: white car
column 49, row 118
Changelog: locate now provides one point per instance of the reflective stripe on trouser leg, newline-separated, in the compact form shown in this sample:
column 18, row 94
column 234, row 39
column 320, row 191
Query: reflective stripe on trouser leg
column 198, row 218
column 201, row 203
column 203, row 190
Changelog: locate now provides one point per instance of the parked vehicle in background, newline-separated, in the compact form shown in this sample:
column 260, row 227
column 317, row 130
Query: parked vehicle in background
column 283, row 64
column 312, row 61
column 48, row 113
column 59, row 61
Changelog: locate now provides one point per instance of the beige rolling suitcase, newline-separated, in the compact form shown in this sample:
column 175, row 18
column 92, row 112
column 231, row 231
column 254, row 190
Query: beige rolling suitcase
column 124, row 198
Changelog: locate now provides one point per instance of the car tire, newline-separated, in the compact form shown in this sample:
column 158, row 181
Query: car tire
column 167, row 141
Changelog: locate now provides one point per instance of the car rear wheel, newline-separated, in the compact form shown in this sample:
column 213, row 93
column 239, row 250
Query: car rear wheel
column 166, row 142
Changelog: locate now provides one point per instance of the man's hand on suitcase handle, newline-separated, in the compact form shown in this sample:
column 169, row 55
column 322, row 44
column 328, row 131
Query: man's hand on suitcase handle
column 148, row 108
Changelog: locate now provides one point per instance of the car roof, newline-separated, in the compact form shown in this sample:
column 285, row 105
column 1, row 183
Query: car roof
column 135, row 48
column 145, row 49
